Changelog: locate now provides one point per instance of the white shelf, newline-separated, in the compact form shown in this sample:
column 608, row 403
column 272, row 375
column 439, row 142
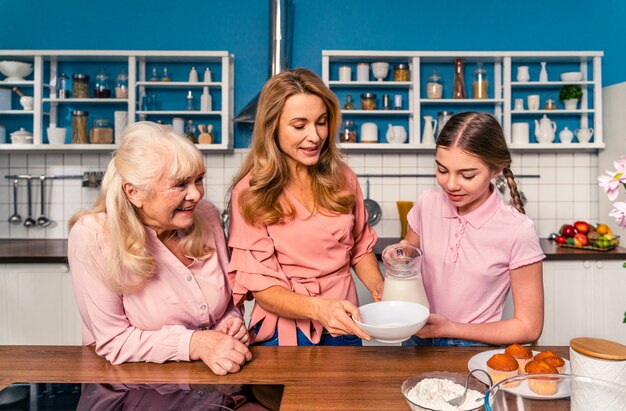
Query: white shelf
column 503, row 90
column 48, row 64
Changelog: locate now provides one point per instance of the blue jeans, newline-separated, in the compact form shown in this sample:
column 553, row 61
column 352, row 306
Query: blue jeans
column 440, row 342
column 303, row 341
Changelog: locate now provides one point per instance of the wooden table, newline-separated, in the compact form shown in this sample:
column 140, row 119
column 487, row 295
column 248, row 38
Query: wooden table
column 315, row 378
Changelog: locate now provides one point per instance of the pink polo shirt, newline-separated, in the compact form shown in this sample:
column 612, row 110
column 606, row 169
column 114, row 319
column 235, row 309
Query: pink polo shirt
column 467, row 258
column 310, row 255
column 154, row 324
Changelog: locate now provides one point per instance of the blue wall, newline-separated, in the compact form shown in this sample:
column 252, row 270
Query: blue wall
column 242, row 27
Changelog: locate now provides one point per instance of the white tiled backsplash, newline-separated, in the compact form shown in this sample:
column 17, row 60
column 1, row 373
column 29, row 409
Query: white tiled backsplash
column 566, row 190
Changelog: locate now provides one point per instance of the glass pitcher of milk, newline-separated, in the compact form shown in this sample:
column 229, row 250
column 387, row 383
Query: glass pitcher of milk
column 403, row 274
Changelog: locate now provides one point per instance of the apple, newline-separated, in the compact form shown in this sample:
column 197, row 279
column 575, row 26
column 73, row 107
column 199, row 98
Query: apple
column 560, row 239
column 568, row 230
column 580, row 240
column 581, row 227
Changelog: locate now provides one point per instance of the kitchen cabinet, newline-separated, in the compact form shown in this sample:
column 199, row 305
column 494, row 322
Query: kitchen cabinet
column 38, row 305
column 144, row 99
column 583, row 298
column 503, row 88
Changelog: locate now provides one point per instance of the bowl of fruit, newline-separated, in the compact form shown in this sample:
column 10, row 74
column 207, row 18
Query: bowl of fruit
column 586, row 236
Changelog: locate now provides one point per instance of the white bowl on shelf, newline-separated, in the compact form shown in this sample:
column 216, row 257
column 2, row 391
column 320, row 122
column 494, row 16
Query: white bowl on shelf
column 15, row 70
column 572, row 76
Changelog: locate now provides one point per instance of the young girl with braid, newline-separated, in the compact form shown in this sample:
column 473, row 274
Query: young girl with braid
column 476, row 247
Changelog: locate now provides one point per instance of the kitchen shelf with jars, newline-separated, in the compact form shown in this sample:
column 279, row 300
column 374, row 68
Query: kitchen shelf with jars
column 383, row 91
column 82, row 99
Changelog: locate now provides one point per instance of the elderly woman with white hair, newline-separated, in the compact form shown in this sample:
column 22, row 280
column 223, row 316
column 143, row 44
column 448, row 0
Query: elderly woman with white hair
column 149, row 259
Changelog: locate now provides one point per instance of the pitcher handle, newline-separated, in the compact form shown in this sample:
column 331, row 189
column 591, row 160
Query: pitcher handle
column 434, row 124
column 591, row 131
column 553, row 126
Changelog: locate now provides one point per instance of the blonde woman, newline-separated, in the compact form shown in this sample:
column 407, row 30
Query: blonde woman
column 298, row 223
column 148, row 261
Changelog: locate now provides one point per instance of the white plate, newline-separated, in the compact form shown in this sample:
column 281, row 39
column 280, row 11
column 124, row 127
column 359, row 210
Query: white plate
column 479, row 361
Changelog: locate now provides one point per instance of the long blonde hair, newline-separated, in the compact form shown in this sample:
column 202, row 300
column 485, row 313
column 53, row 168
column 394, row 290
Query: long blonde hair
column 148, row 152
column 260, row 203
column 480, row 134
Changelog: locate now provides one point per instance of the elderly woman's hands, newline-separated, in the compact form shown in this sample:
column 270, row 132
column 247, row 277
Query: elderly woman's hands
column 236, row 328
column 221, row 352
column 335, row 317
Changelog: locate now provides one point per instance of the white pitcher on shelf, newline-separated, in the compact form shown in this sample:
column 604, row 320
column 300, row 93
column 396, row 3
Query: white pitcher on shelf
column 545, row 130
column 428, row 136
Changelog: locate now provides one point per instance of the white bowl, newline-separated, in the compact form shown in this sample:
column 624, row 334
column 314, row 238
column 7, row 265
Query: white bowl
column 15, row 70
column 458, row 378
column 56, row 135
column 572, row 76
column 380, row 70
column 392, row 321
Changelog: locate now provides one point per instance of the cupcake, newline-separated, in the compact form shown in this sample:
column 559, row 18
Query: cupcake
column 542, row 385
column 502, row 366
column 551, row 358
column 543, row 354
column 522, row 354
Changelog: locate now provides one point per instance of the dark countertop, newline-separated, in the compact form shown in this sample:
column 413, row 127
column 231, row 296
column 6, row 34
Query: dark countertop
column 55, row 251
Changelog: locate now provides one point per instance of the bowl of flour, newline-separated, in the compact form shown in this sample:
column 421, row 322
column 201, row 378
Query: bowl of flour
column 431, row 391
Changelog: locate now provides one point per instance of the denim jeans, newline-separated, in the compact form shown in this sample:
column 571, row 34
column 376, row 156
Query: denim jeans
column 327, row 340
column 440, row 342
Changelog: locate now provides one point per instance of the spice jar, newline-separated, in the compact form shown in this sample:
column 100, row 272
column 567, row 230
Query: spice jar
column 550, row 104
column 103, row 86
column 434, row 87
column 63, row 89
column 80, row 86
column 480, row 84
column 368, row 101
column 121, row 85
column 347, row 134
column 79, row 126
column 102, row 132
column 401, row 72
column 349, row 104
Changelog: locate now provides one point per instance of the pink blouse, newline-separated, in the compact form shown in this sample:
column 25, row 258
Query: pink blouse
column 154, row 324
column 310, row 255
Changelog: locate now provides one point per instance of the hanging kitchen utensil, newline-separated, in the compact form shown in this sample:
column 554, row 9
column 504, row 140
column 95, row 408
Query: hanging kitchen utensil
column 16, row 218
column 374, row 212
column 43, row 220
column 29, row 222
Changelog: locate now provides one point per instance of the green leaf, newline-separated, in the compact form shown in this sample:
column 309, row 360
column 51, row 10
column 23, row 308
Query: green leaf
column 570, row 91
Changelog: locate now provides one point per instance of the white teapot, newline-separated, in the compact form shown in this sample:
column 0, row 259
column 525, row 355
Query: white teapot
column 545, row 130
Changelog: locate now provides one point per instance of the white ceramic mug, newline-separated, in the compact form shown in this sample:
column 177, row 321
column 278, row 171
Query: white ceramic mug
column 345, row 73
column 533, row 102
column 369, row 133
column 521, row 133
column 362, row 72
column 519, row 104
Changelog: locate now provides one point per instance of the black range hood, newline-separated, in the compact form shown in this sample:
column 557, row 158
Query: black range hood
column 281, row 26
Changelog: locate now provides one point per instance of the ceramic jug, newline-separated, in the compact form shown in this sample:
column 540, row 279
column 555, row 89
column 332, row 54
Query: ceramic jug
column 583, row 134
column 396, row 134
column 523, row 74
column 566, row 136
column 428, row 136
column 545, row 130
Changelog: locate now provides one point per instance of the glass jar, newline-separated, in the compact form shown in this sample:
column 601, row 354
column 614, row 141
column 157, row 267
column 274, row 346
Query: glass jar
column 401, row 72
column 102, row 132
column 121, row 85
column 63, row 86
column 480, row 83
column 349, row 104
column 103, row 85
column 434, row 87
column 80, row 86
column 368, row 101
column 403, row 274
column 550, row 104
column 347, row 134
column 79, row 126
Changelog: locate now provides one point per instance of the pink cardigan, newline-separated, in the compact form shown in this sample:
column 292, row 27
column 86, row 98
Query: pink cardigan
column 310, row 255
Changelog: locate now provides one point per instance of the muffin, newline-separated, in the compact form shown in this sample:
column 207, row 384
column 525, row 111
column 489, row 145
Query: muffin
column 522, row 354
column 542, row 385
column 551, row 358
column 502, row 366
column 543, row 354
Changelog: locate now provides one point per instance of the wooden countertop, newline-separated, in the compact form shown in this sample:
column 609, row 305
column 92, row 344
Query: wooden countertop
column 320, row 378
column 55, row 251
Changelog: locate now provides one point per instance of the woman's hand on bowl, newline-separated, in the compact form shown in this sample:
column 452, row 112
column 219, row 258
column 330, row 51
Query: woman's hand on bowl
column 236, row 328
column 336, row 317
column 222, row 353
column 435, row 327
